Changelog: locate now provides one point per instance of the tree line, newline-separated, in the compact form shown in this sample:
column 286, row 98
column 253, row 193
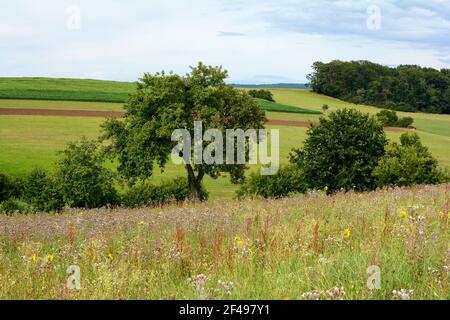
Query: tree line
column 404, row 88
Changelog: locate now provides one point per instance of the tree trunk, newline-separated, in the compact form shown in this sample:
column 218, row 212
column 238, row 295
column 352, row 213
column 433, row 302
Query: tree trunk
column 194, row 183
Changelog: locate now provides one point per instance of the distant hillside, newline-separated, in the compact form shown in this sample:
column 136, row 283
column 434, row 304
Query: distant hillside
column 271, row 86
column 86, row 90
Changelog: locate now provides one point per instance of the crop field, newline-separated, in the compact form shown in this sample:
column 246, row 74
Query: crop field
column 307, row 247
column 28, row 142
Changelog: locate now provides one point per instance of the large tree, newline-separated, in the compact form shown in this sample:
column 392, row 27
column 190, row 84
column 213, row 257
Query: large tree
column 165, row 102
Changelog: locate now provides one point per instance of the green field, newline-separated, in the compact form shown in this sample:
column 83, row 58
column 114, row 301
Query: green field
column 64, row 89
column 27, row 142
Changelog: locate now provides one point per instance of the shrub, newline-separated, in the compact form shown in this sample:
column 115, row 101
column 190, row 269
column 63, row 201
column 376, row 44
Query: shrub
column 9, row 187
column 82, row 178
column 342, row 152
column 262, row 94
column 13, row 205
column 408, row 163
column 147, row 194
column 288, row 181
column 405, row 122
column 41, row 192
column 388, row 118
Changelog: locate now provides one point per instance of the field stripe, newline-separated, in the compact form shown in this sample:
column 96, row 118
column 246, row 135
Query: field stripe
column 96, row 113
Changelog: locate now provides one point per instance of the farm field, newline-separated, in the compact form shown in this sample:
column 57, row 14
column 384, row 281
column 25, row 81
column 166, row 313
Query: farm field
column 307, row 247
column 27, row 142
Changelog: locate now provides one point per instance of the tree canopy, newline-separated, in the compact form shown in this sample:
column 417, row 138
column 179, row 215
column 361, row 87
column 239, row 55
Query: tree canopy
column 404, row 88
column 164, row 102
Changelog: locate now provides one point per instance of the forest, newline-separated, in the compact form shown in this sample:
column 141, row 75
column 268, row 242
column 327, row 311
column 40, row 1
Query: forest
column 408, row 88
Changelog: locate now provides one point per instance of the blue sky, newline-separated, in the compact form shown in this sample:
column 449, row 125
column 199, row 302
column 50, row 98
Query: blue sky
column 258, row 41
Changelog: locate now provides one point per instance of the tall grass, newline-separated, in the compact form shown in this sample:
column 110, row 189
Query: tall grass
column 304, row 247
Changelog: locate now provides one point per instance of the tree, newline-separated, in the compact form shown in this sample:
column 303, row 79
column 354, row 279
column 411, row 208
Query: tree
column 342, row 152
column 408, row 163
column 83, row 180
column 163, row 103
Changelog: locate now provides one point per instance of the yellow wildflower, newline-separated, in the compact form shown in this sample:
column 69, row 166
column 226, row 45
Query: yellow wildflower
column 33, row 258
column 285, row 298
column 50, row 258
column 238, row 242
column 347, row 233
column 402, row 213
column 141, row 223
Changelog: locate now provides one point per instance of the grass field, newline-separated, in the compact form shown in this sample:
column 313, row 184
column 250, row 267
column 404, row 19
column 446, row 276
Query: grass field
column 27, row 142
column 64, row 89
column 311, row 246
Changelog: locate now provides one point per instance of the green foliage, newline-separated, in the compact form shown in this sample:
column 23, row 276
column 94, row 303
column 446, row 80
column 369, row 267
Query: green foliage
column 42, row 193
column 163, row 103
column 408, row 163
column 404, row 88
column 288, row 181
column 262, row 94
column 389, row 118
column 9, row 187
column 148, row 194
column 82, row 178
column 13, row 205
column 278, row 107
column 405, row 122
column 342, row 151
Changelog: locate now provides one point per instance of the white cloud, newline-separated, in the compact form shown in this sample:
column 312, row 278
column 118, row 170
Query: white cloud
column 257, row 41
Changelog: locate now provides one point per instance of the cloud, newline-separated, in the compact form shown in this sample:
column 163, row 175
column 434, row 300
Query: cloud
column 230, row 34
column 256, row 40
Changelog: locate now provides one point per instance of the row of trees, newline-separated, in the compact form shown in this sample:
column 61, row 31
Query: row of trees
column 404, row 88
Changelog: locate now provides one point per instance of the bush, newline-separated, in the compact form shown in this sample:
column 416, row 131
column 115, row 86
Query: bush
column 41, row 192
column 288, row 181
column 342, row 152
column 262, row 94
column 408, row 163
column 82, row 178
column 147, row 194
column 13, row 205
column 9, row 187
column 405, row 122
column 389, row 118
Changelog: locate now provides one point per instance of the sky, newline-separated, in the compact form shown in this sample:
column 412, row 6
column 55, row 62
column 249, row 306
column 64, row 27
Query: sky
column 257, row 41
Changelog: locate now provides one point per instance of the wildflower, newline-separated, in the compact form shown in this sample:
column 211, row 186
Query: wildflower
column 238, row 242
column 50, row 258
column 402, row 213
column 226, row 287
column 347, row 233
column 33, row 258
column 402, row 294
column 110, row 256
column 285, row 298
column 141, row 223
column 312, row 295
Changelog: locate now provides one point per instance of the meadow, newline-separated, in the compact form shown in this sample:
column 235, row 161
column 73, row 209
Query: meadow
column 28, row 142
column 307, row 247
